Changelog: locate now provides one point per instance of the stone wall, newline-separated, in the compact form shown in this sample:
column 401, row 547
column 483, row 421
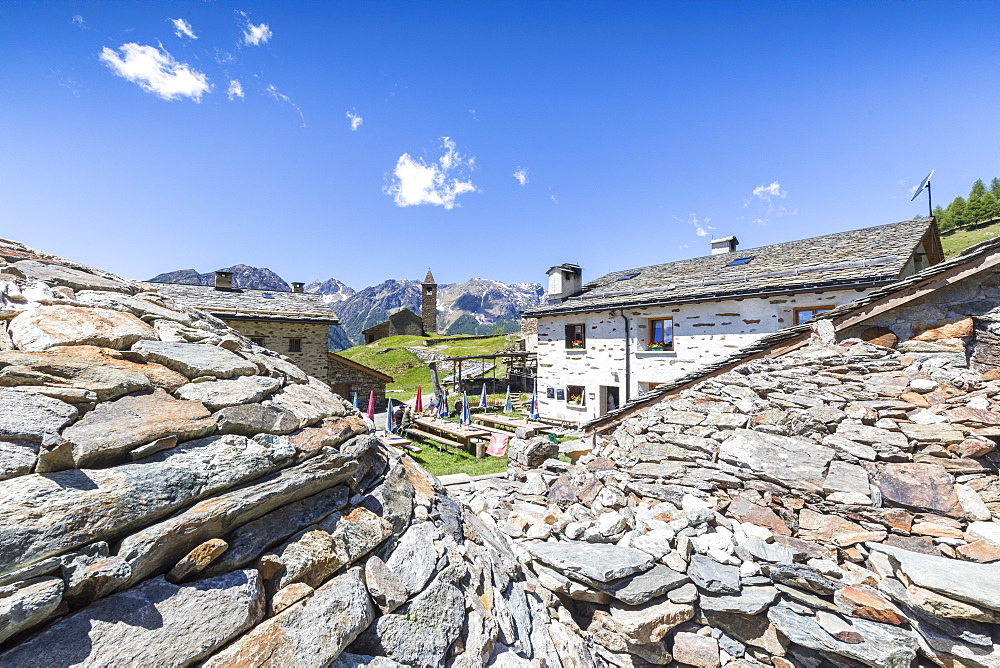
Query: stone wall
column 702, row 332
column 358, row 381
column 276, row 336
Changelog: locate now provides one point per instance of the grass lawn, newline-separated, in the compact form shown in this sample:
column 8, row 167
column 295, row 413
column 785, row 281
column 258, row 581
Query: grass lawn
column 389, row 355
column 955, row 242
column 447, row 461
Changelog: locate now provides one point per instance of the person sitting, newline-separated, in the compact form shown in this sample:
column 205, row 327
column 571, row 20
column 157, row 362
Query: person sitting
column 397, row 418
column 458, row 407
column 405, row 422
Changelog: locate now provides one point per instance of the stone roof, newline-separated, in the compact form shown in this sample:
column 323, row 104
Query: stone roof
column 239, row 304
column 429, row 278
column 360, row 367
column 866, row 257
column 783, row 336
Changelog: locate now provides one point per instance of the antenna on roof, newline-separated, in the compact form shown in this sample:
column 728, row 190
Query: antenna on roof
column 925, row 184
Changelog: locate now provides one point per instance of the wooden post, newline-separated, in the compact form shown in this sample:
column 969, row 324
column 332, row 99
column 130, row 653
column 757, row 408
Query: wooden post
column 480, row 448
column 438, row 394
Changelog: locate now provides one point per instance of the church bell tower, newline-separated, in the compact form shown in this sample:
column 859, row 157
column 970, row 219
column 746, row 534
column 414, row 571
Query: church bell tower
column 428, row 303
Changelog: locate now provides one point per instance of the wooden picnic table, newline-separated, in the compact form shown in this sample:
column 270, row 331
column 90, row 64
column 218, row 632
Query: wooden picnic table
column 511, row 423
column 453, row 433
column 397, row 442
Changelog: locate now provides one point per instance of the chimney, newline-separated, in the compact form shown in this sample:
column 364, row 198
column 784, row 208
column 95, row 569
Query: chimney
column 298, row 287
column 724, row 245
column 223, row 280
column 564, row 281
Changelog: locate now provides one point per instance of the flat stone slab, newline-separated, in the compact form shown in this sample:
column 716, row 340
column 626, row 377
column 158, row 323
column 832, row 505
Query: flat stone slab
column 645, row 586
column 196, row 359
column 796, row 462
column 76, row 279
column 28, row 603
column 153, row 624
column 218, row 394
column 750, row 601
column 597, row 561
column 47, row 326
column 114, row 428
column 844, row 477
column 711, row 576
column 919, row 486
column 28, row 416
column 871, row 435
column 964, row 580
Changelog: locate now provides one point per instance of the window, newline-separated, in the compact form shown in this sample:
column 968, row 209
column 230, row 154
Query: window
column 257, row 340
column 807, row 313
column 576, row 338
column 738, row 261
column 627, row 276
column 575, row 395
column 268, row 295
column 661, row 334
column 295, row 345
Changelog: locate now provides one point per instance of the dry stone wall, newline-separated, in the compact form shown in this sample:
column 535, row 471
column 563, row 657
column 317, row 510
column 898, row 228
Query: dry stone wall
column 836, row 506
column 173, row 495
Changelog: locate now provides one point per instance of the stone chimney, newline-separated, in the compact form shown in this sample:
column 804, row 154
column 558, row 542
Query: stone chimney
column 724, row 245
column 223, row 280
column 564, row 281
column 298, row 287
column 428, row 303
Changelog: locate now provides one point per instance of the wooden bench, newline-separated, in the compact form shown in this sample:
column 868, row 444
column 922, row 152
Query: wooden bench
column 427, row 436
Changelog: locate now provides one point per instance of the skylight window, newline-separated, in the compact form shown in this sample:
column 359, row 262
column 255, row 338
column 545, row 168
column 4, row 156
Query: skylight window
column 268, row 295
column 738, row 261
column 627, row 276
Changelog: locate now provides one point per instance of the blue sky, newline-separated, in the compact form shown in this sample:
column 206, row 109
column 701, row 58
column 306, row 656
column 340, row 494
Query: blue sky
column 639, row 130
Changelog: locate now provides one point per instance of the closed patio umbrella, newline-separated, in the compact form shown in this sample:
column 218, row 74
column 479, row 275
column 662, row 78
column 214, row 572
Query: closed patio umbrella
column 533, row 407
column 371, row 406
column 482, row 398
column 388, row 417
column 355, row 399
column 508, row 405
column 418, row 407
column 466, row 418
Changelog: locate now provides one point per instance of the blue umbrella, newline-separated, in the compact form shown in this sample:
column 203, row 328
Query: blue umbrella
column 482, row 398
column 443, row 406
column 466, row 418
column 533, row 408
column 508, row 406
column 388, row 417
column 355, row 399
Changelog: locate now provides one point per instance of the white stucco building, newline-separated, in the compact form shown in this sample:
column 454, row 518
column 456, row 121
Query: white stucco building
column 604, row 342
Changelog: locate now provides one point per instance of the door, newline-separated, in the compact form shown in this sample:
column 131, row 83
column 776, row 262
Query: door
column 609, row 399
column 343, row 389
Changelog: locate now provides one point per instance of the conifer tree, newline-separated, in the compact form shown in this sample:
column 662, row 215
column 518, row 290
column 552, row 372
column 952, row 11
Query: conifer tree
column 976, row 208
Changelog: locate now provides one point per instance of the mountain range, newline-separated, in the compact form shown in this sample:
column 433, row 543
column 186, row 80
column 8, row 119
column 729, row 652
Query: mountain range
column 477, row 306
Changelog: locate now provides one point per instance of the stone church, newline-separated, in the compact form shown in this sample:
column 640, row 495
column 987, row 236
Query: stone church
column 406, row 322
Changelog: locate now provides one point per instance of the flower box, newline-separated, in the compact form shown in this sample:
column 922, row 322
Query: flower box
column 658, row 346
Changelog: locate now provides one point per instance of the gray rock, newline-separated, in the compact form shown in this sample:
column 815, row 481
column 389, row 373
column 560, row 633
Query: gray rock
column 393, row 498
column 771, row 552
column 711, row 576
column 871, row 435
column 27, row 604
column 163, row 544
column 884, row 645
column 596, row 561
column 17, row 458
column 43, row 327
column 844, row 477
column 137, row 305
column 90, row 576
column 312, row 632
column 46, row 514
column 853, row 448
column 648, row 623
column 249, row 541
column 75, row 279
column 309, row 403
column 750, row 601
column 114, row 428
column 251, row 419
column 531, row 452
column 26, row 419
column 195, row 360
column 348, row 660
column 795, row 462
column 415, row 556
column 423, row 630
column 640, row 588
column 385, row 588
column 149, row 625
column 218, row 394
column 685, row 594
column 964, row 580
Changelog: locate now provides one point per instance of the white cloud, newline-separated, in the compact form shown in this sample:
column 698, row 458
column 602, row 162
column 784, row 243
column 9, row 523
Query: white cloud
column 155, row 71
column 257, row 35
column 701, row 225
column 521, row 174
column 281, row 97
column 767, row 192
column 78, row 20
column 438, row 183
column 355, row 119
column 235, row 90
column 183, row 29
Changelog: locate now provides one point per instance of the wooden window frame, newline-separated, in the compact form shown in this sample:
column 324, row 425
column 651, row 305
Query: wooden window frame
column 582, row 394
column 295, row 345
column 649, row 335
column 815, row 310
column 570, row 337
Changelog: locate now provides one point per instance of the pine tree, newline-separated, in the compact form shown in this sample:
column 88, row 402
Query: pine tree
column 976, row 208
column 991, row 205
column 941, row 218
column 958, row 212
